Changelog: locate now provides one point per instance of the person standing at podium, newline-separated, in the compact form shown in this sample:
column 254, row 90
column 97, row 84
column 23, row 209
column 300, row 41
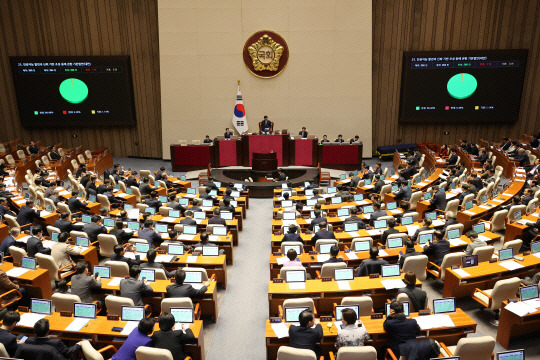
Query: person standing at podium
column 266, row 124
column 303, row 133
column 228, row 133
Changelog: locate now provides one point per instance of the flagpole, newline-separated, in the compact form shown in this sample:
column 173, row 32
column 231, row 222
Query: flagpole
column 238, row 84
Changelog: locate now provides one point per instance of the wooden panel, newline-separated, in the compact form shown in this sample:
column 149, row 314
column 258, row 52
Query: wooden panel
column 417, row 25
column 92, row 27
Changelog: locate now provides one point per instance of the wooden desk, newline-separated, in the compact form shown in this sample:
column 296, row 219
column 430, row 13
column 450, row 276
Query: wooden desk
column 100, row 331
column 37, row 282
column 379, row 338
column 325, row 294
column 514, row 230
column 512, row 325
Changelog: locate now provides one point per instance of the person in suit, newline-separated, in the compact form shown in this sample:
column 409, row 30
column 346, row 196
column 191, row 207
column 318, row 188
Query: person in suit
column 465, row 191
column 409, row 251
column 452, row 158
column 171, row 201
column 416, row 294
column 438, row 201
column 7, row 285
column 64, row 224
column 535, row 142
column 217, row 219
column 152, row 264
column 188, row 220
column 323, row 233
column 317, row 220
column 307, row 335
column 53, row 153
column 179, row 289
column 482, row 158
column 206, row 194
column 477, row 182
column 11, row 318
column 355, row 139
column 506, row 144
column 172, row 340
column 132, row 180
column 339, row 139
column 104, row 187
column 355, row 218
column 325, row 139
column 27, row 213
column 121, row 236
column 316, row 194
column 32, row 148
column 399, row 328
column 391, row 230
column 372, row 265
column 34, row 244
column 9, row 240
column 437, row 249
column 266, row 124
column 75, row 205
column 377, row 213
column 426, row 225
column 138, row 337
column 153, row 201
column 334, row 251
column 91, row 188
column 145, row 187
column 450, row 220
column 4, row 193
column 133, row 288
column 404, row 192
column 61, row 251
column 292, row 235
column 228, row 133
column 195, row 205
column 408, row 172
column 227, row 206
column 303, row 133
column 4, row 209
column 148, row 233
column 377, row 186
column 207, row 140
column 343, row 193
column 95, row 228
column 533, row 170
column 83, row 283
column 522, row 158
column 41, row 330
column 119, row 253
column 527, row 196
column 475, row 242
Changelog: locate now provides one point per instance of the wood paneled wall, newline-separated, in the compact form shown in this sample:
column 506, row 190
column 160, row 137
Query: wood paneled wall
column 418, row 25
column 86, row 27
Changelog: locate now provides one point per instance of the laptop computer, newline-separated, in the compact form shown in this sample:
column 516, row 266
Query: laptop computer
column 292, row 314
column 325, row 248
column 174, row 213
column 28, row 263
column 479, row 228
column 350, row 226
column 407, row 220
column 190, row 229
column 336, row 200
column 363, row 245
column 297, row 248
column 339, row 308
column 175, row 249
column 511, row 355
column 343, row 212
column 150, row 210
column 394, row 242
column 295, row 276
column 424, row 238
column 82, row 241
column 528, row 292
column 210, row 251
column 454, row 234
column 344, row 274
column 506, row 254
column 226, row 215
column 219, row 230
column 379, row 224
column 148, row 274
column 193, row 277
column 406, row 310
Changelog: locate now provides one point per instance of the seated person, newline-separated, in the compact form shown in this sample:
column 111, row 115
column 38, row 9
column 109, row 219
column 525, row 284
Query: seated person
column 153, row 201
column 437, row 249
column 292, row 234
column 355, row 140
column 334, row 251
column 409, row 251
column 82, row 283
column 293, row 259
column 133, row 288
column 41, row 330
column 228, row 133
column 138, row 337
column 325, row 139
column 207, row 140
column 94, row 228
column 61, row 251
column 399, row 328
column 149, row 234
column 217, row 219
column 121, row 236
column 152, row 264
column 475, row 242
column 377, row 213
column 372, row 265
column 9, row 340
column 317, row 220
column 339, row 139
column 195, row 205
column 119, row 253
column 391, row 230
column 172, row 340
column 355, row 218
column 266, row 124
column 206, row 194
column 307, row 335
column 353, row 334
column 34, row 244
column 450, row 220
column 303, row 133
column 404, row 192
column 188, row 220
column 416, row 295
column 14, row 233
column 323, row 233
column 227, row 206
column 426, row 225
column 179, row 289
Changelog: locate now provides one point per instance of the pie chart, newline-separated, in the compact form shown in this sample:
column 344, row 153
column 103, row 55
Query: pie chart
column 73, row 90
column 461, row 86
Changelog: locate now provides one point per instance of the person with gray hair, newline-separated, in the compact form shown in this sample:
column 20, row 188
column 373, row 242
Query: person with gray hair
column 14, row 233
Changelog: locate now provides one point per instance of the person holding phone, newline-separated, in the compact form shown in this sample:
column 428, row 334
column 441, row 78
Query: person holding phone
column 133, row 288
column 352, row 334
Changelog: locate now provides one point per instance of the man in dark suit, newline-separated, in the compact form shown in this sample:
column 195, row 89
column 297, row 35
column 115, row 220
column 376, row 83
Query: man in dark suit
column 188, row 220
column 377, row 213
column 195, row 205
column 482, row 158
column 153, row 201
column 426, row 223
column 452, row 158
column 527, row 196
column 206, row 194
column 323, row 233
column 91, row 188
column 4, row 193
column 104, row 187
column 325, row 139
column 64, row 224
column 535, row 142
column 266, row 124
column 506, row 144
column 216, row 219
column 339, row 139
column 4, row 209
column 207, row 140
column 522, row 158
column 303, row 133
column 94, row 228
column 355, row 218
column 228, row 133
column 121, row 236
column 54, row 154
column 152, row 264
column 391, row 225
column 145, row 187
column 172, row 340
column 355, row 139
column 477, row 182
column 133, row 288
column 437, row 249
column 408, row 172
column 82, row 284
column 179, row 289
column 132, row 180
column 33, row 149
column 404, row 192
column 377, row 186
column 9, row 240
column 34, row 244
column 119, row 256
column 316, row 194
column 292, row 234
column 317, row 220
column 11, row 318
column 372, row 265
column 450, row 220
column 409, row 251
column 334, row 251
column 27, row 213
column 227, row 206
column 439, row 198
column 41, row 329
column 75, row 205
column 149, row 234
column 399, row 328
column 307, row 335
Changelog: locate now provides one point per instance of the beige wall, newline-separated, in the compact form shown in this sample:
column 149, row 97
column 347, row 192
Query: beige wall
column 326, row 85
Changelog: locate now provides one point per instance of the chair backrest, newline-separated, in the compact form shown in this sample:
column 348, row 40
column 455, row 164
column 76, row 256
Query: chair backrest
column 287, row 303
column 152, row 180
column 164, row 210
column 498, row 220
column 21, row 154
column 514, row 245
column 454, row 226
column 3, row 352
column 61, row 152
column 12, row 221
column 104, row 201
column 135, row 191
column 10, row 160
column 203, row 270
column 51, row 203
column 75, row 164
column 357, row 353
column 114, row 304
column 89, row 352
column 141, row 207
column 466, row 198
column 63, row 208
column 532, row 205
column 17, row 253
column 113, row 182
column 512, row 212
column 324, row 241
column 386, row 189
column 301, row 244
column 355, row 240
column 74, row 233
column 481, row 193
column 417, row 264
column 449, row 260
column 182, row 142
column 167, row 304
column 160, row 274
column 118, row 268
column 145, row 173
column 290, row 353
column 415, row 197
column 283, row 269
column 327, row 270
column 107, row 243
column 196, row 142
column 81, row 158
column 152, row 353
column 475, row 348
column 47, row 262
column 504, row 290
column 122, row 186
column 88, row 154
column 179, row 228
column 484, row 252
column 365, row 304
column 64, row 302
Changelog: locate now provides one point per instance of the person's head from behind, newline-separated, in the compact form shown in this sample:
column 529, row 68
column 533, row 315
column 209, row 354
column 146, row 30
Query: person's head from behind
column 323, row 225
column 409, row 244
column 41, row 328
column 134, row 271
column 473, row 235
column 189, row 214
column 166, row 321
column 292, row 229
column 119, row 225
column 427, row 222
column 334, row 251
column 354, row 211
column 151, row 255
column 146, row 325
column 391, row 223
column 11, row 318
column 349, row 316
column 306, row 318
column 226, row 202
column 396, row 308
column 439, row 235
column 63, row 237
column 118, row 250
column 291, row 254
column 404, row 205
column 409, row 278
column 173, row 234
column 286, row 195
column 81, row 267
column 204, row 237
column 373, row 252
column 179, row 276
column 37, row 231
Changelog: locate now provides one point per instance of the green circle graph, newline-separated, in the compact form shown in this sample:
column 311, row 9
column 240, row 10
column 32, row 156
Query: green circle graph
column 461, row 86
column 73, row 90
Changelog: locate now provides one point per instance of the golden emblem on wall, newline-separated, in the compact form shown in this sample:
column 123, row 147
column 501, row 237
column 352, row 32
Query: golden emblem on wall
column 265, row 54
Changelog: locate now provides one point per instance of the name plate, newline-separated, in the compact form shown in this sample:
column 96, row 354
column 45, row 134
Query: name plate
column 277, row 281
column 377, row 316
column 373, row 276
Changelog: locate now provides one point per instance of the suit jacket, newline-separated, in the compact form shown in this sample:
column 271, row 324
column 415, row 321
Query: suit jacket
column 482, row 159
column 75, row 205
column 9, row 341
column 316, row 221
column 185, row 290
column 188, row 221
column 135, row 290
column 145, row 189
column 55, row 155
column 417, row 232
column 155, row 265
column 523, row 159
column 291, row 237
column 102, row 188
column 408, row 252
column 375, row 215
column 438, row 250
column 4, row 246
column 150, row 235
column 356, row 219
column 439, row 200
column 127, row 260
column 403, row 193
column 387, row 232
column 6, row 285
column 370, row 266
column 82, row 285
column 266, row 124
column 333, row 260
column 66, row 352
column 153, row 203
column 400, row 329
column 121, row 235
column 173, row 340
column 206, row 196
column 217, row 220
column 61, row 253
column 378, row 186
column 229, row 208
column 34, row 246
column 228, row 134
column 306, row 338
column 452, row 160
column 4, row 210
column 63, row 225
column 416, row 294
column 27, row 215
column 322, row 234
column 93, row 230
column 131, row 181
column 408, row 172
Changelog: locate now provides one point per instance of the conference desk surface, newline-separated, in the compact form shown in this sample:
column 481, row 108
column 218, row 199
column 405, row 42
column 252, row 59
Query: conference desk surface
column 326, row 293
column 515, row 229
column 485, row 275
column 379, row 337
column 512, row 325
column 37, row 282
column 99, row 331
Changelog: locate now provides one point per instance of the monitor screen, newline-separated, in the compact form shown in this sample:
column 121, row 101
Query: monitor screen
column 350, row 226
column 340, row 308
column 468, row 205
column 344, row 274
column 506, row 254
column 358, row 197
column 343, row 212
column 283, row 186
column 210, row 251
column 193, row 277
column 336, row 200
column 41, row 306
column 395, row 188
column 128, row 206
column 132, row 313
column 297, row 248
column 182, row 315
column 82, row 241
column 309, row 192
column 406, row 310
column 424, row 238
column 129, row 191
column 190, row 229
column 161, row 228
column 174, row 213
column 342, row 176
column 368, row 209
column 183, row 202
column 148, row 274
column 217, row 183
column 289, row 215
column 362, row 245
column 511, row 355
column 427, row 196
column 325, row 248
column 207, row 203
column 295, row 276
column 316, row 228
column 306, row 183
column 236, row 194
column 331, row 190
column 199, row 215
column 431, row 215
column 391, row 205
column 469, row 260
column 292, row 314
column 226, row 215
column 84, row 310
column 162, row 199
column 379, row 224
column 142, row 247
column 102, row 271
column 191, row 191
column 54, row 236
column 454, row 234
column 28, row 263
column 483, row 199
column 286, row 203
column 219, row 231
column 394, row 242
column 92, row 198
column 175, row 249
column 517, row 215
column 479, row 228
column 238, row 186
column 528, row 292
column 234, row 203
column 133, row 225
column 367, row 182
column 446, row 305
column 150, row 210
column 535, row 247
column 87, row 219
column 390, row 270
column 108, row 222
column 407, row 220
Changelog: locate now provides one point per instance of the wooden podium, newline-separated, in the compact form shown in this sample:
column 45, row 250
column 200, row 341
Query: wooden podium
column 264, row 162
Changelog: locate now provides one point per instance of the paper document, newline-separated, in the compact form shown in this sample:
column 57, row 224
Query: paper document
column 48, row 243
column 289, row 222
column 191, row 259
column 178, row 326
column 130, row 255
column 115, row 281
column 497, row 200
column 130, row 326
column 186, row 237
column 469, row 212
column 362, row 202
column 190, row 196
column 437, row 223
column 507, row 194
column 395, row 212
column 390, row 284
column 382, row 252
column 421, row 184
column 462, row 273
column 483, row 237
column 434, row 321
column 520, row 308
column 297, row 285
column 281, row 330
column 344, row 285
column 511, row 265
column 23, row 239
column 351, row 256
column 535, row 303
column 456, row 242
column 322, row 257
column 374, row 232
column 29, row 319
column 485, row 207
column 164, row 235
column 164, row 258
column 411, row 229
column 77, row 324
column 16, row 272
column 282, row 260
column 346, row 181
column 368, row 186
column 342, row 218
column 197, row 286
column 213, row 238
column 43, row 213
column 537, row 254
column 168, row 219
column 353, row 233
column 198, row 221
